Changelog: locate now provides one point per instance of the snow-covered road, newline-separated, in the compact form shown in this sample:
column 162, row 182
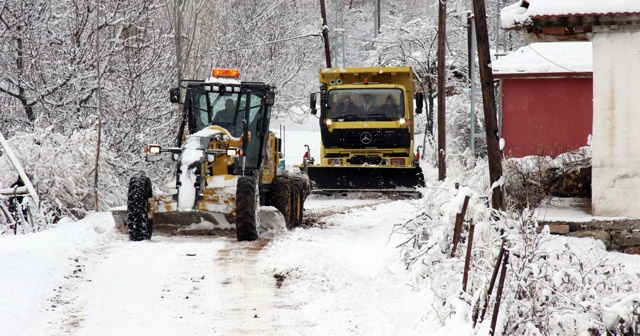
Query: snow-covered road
column 341, row 275
column 175, row 286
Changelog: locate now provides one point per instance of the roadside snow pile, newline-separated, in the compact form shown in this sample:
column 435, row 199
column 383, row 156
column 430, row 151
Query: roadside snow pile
column 34, row 261
column 554, row 285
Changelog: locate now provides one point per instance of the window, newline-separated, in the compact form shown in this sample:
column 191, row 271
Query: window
column 365, row 104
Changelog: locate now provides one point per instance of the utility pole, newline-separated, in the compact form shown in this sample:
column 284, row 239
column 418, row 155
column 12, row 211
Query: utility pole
column 376, row 18
column 325, row 34
column 98, row 140
column 341, row 30
column 442, row 123
column 489, row 103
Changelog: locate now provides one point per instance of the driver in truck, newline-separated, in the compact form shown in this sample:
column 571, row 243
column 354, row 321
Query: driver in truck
column 390, row 108
column 347, row 107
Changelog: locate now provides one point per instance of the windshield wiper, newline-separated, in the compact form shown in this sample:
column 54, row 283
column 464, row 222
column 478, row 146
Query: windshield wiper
column 379, row 116
column 347, row 117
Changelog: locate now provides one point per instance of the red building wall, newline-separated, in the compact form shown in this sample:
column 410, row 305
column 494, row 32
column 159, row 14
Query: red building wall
column 546, row 116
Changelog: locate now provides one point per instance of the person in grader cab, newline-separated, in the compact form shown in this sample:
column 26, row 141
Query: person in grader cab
column 225, row 116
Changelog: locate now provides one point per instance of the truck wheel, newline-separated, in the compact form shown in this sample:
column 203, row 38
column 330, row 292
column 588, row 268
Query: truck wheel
column 140, row 227
column 281, row 197
column 247, row 204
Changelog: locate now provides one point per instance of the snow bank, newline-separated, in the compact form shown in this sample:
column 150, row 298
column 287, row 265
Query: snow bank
column 34, row 263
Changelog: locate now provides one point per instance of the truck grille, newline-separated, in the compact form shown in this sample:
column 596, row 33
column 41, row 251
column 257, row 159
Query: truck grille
column 366, row 138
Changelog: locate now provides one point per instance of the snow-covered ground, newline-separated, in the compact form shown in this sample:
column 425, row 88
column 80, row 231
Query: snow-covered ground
column 85, row 278
column 344, row 275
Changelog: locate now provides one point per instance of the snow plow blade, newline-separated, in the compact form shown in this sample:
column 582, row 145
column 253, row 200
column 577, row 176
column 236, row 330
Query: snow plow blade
column 196, row 223
column 200, row 223
column 193, row 223
column 365, row 179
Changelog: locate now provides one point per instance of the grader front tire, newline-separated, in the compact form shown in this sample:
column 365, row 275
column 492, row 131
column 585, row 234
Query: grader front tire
column 140, row 227
column 246, row 209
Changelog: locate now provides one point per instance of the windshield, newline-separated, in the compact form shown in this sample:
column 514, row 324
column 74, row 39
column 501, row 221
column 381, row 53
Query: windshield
column 365, row 104
column 227, row 111
column 215, row 109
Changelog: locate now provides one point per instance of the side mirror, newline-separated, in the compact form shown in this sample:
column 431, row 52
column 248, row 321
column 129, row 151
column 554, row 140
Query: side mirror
column 312, row 103
column 269, row 98
column 174, row 95
column 419, row 102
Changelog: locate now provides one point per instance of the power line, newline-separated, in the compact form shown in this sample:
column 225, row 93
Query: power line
column 550, row 61
column 260, row 44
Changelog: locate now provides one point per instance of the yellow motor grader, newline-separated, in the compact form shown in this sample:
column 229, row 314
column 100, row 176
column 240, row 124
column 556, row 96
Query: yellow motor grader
column 227, row 166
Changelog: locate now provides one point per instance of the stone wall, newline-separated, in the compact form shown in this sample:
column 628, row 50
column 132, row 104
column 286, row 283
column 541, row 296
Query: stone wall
column 617, row 235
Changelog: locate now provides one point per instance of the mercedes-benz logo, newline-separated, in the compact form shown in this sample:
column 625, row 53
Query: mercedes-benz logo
column 365, row 138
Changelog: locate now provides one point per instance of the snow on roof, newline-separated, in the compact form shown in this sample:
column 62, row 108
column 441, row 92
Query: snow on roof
column 548, row 57
column 518, row 13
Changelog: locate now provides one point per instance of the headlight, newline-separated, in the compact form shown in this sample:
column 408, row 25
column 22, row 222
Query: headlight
column 402, row 121
column 235, row 152
column 328, row 122
column 153, row 149
column 397, row 162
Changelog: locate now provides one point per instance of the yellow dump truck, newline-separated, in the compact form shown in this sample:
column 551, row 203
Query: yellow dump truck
column 367, row 130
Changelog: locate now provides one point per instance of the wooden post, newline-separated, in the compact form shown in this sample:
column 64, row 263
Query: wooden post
column 467, row 259
column 496, row 307
column 457, row 228
column 442, row 123
column 488, row 102
column 325, row 34
column 492, row 282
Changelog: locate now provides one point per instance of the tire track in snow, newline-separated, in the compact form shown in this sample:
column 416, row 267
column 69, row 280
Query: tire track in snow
column 161, row 287
column 175, row 286
column 256, row 302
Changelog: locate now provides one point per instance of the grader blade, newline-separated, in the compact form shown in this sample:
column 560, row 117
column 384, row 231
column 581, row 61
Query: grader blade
column 196, row 223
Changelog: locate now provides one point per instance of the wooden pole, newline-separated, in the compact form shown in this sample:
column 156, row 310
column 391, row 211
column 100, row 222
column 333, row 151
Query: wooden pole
column 442, row 122
column 489, row 103
column 325, row 34
column 98, row 138
column 467, row 259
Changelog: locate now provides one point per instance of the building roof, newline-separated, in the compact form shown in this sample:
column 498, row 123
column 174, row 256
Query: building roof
column 527, row 12
column 546, row 58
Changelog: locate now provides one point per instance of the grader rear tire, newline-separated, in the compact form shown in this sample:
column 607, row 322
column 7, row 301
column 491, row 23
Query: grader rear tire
column 300, row 193
column 281, row 197
column 140, row 227
column 247, row 216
